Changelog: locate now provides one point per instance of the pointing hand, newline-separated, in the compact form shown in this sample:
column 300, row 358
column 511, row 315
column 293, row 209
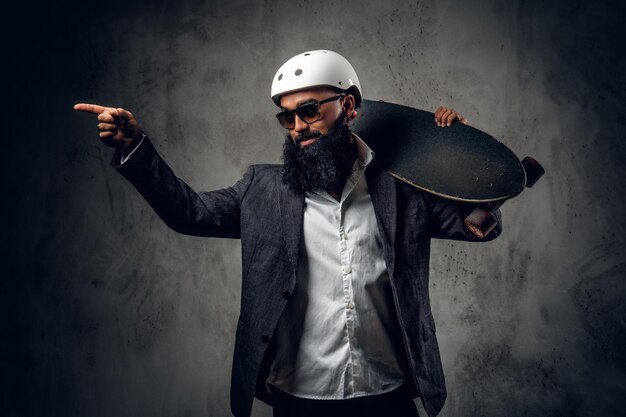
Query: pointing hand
column 118, row 127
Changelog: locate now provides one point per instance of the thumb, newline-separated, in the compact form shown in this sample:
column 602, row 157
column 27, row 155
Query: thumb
column 124, row 114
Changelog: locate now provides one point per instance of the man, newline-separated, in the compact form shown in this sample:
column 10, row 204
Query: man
column 335, row 314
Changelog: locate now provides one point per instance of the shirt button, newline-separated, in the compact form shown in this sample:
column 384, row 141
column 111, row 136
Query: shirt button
column 346, row 270
column 286, row 295
column 265, row 338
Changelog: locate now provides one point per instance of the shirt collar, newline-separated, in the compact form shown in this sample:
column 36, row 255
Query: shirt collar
column 364, row 153
column 364, row 157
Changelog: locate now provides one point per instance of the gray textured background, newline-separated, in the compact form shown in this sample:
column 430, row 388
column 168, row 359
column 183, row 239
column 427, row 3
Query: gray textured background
column 106, row 312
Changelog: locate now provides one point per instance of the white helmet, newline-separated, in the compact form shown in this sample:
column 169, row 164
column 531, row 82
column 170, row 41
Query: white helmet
column 316, row 69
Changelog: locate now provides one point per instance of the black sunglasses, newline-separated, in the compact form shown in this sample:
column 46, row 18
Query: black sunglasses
column 307, row 112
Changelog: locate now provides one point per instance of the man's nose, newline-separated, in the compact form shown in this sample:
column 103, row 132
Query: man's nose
column 300, row 125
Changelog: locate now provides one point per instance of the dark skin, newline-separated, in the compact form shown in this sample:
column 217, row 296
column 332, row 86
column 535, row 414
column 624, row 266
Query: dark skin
column 119, row 129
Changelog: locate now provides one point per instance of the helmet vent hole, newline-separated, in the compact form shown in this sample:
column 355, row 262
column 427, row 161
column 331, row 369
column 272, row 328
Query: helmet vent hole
column 280, row 77
column 307, row 54
column 339, row 82
column 298, row 71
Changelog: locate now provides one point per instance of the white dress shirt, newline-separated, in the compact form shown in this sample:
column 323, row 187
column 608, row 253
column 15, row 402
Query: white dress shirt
column 331, row 341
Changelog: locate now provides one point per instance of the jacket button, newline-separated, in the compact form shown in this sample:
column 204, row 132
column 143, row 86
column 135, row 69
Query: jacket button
column 286, row 295
column 265, row 338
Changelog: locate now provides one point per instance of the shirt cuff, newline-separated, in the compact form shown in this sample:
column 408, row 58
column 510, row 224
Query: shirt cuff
column 125, row 158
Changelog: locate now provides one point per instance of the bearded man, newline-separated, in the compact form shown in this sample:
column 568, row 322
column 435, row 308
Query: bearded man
column 335, row 314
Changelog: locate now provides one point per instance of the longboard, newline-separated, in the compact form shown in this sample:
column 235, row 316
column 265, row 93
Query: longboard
column 458, row 162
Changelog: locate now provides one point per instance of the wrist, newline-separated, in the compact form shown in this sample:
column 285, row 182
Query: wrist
column 130, row 144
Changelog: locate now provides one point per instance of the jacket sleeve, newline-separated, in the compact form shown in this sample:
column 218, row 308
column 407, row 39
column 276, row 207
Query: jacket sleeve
column 447, row 220
column 212, row 214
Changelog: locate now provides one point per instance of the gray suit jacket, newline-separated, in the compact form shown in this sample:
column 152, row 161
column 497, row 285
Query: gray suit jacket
column 267, row 216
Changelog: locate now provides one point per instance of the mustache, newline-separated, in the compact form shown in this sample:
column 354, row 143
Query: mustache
column 306, row 136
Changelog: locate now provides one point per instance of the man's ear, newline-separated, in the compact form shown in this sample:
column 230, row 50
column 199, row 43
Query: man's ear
column 349, row 107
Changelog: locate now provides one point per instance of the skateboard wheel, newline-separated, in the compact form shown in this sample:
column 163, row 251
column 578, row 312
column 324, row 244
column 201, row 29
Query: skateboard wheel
column 533, row 170
column 480, row 222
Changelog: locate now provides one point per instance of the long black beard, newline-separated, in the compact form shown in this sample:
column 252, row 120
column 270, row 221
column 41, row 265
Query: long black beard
column 326, row 164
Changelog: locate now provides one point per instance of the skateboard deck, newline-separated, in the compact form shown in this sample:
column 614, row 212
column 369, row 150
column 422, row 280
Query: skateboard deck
column 458, row 162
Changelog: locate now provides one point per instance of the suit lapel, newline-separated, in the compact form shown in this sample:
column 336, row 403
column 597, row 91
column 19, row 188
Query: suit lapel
column 291, row 209
column 382, row 189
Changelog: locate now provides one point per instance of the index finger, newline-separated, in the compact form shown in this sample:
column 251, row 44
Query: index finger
column 90, row 108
